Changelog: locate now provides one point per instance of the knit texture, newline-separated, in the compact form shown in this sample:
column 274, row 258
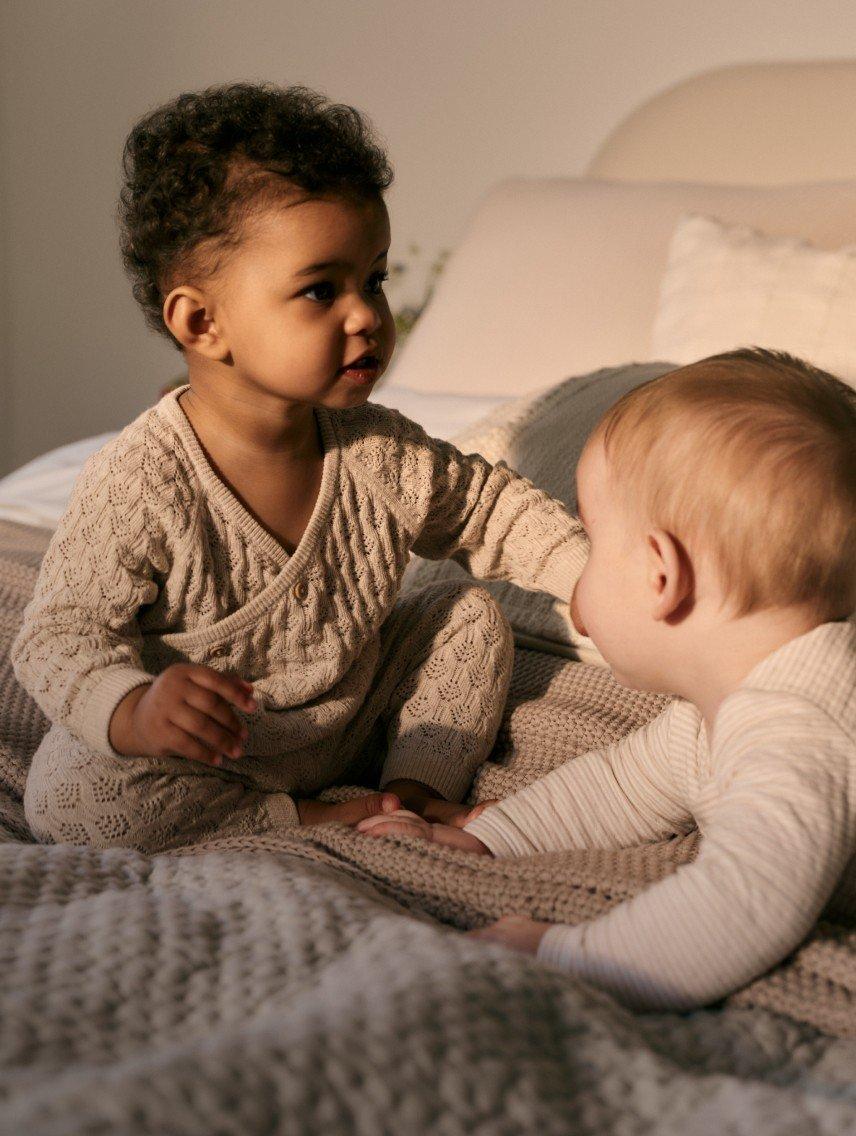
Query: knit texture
column 542, row 436
column 275, row 983
column 449, row 639
column 156, row 561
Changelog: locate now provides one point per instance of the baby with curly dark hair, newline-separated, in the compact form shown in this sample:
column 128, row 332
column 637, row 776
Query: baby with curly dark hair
column 217, row 633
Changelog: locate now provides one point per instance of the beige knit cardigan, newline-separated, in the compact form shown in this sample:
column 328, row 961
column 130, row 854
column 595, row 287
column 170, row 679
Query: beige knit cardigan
column 157, row 561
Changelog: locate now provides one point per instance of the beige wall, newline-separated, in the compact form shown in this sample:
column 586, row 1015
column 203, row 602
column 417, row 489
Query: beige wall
column 465, row 92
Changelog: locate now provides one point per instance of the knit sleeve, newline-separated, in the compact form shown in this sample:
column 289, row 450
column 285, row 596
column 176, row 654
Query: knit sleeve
column 779, row 826
column 626, row 794
column 491, row 520
column 78, row 650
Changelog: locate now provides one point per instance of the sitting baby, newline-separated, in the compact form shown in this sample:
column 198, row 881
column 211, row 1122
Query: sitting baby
column 720, row 501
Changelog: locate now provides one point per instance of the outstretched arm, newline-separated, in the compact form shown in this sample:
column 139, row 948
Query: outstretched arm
column 626, row 794
column 493, row 521
column 776, row 839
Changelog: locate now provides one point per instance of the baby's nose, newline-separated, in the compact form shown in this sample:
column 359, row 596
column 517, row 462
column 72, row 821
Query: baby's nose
column 362, row 318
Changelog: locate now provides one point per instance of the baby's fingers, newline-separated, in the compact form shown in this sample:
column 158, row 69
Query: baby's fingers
column 395, row 828
column 205, row 729
column 397, row 815
column 208, row 715
column 399, row 823
column 515, row 931
column 488, row 933
column 502, row 930
column 229, row 687
column 183, row 744
column 208, row 698
column 465, row 818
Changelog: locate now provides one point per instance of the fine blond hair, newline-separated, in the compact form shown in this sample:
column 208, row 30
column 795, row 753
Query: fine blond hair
column 748, row 458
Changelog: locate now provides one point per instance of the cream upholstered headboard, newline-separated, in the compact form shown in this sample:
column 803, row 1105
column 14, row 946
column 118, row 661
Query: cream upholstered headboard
column 559, row 276
column 755, row 124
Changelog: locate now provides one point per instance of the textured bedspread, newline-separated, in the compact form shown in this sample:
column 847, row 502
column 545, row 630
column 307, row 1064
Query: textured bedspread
column 315, row 982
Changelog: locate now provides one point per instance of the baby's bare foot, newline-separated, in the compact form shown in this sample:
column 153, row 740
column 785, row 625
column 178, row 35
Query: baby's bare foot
column 311, row 811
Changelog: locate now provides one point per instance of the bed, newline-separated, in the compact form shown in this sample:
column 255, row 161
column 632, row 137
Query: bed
column 317, row 982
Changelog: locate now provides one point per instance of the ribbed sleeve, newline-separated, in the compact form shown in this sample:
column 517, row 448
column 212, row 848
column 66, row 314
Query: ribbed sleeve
column 774, row 798
column 626, row 794
column 778, row 832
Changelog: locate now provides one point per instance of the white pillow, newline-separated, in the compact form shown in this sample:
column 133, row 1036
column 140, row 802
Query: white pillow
column 559, row 276
column 441, row 415
column 729, row 286
column 37, row 493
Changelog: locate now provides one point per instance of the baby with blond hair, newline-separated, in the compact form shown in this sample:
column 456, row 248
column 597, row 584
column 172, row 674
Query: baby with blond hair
column 720, row 501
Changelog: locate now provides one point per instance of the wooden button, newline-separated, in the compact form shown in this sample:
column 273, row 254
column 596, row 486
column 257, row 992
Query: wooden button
column 219, row 651
column 300, row 590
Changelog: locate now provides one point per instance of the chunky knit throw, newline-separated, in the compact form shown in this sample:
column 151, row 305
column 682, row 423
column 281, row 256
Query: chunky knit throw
column 307, row 983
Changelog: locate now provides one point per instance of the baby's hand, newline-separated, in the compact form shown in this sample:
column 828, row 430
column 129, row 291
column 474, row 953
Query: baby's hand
column 451, row 813
column 472, row 811
column 402, row 822
column 312, row 811
column 425, row 802
column 186, row 712
column 405, row 823
column 515, row 931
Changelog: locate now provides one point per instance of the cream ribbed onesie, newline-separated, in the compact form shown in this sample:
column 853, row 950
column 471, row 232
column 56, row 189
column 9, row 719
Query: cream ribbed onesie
column 156, row 561
column 773, row 793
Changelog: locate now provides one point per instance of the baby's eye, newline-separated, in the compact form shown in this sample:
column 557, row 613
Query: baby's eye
column 321, row 293
column 376, row 282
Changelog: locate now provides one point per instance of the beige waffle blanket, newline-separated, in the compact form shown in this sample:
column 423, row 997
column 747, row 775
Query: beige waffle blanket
column 312, row 982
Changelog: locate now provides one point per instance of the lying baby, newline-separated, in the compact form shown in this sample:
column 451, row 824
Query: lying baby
column 720, row 501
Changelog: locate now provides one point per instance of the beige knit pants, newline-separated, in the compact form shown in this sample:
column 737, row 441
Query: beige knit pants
column 431, row 713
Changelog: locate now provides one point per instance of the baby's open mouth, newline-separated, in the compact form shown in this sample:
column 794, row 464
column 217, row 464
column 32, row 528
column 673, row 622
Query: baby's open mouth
column 364, row 363
column 364, row 368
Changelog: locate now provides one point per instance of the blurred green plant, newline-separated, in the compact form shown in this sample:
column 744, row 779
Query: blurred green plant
column 406, row 316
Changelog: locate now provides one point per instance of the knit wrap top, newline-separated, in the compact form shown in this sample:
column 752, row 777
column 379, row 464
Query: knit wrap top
column 157, row 561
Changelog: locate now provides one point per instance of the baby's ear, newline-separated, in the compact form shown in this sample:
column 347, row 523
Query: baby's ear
column 187, row 314
column 670, row 577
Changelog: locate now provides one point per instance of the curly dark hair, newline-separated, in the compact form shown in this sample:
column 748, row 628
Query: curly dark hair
column 195, row 168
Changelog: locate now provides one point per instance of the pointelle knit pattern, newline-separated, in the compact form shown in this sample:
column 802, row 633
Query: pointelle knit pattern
column 156, row 561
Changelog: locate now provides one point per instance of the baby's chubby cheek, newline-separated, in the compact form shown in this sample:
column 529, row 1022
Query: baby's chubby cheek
column 576, row 615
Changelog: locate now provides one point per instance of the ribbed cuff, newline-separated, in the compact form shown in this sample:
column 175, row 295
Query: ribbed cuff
column 610, row 969
column 90, row 720
column 561, row 947
column 282, row 811
column 449, row 781
column 502, row 837
column 563, row 568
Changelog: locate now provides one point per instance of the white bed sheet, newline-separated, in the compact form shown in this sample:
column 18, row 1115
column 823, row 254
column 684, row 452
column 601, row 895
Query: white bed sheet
column 38, row 492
